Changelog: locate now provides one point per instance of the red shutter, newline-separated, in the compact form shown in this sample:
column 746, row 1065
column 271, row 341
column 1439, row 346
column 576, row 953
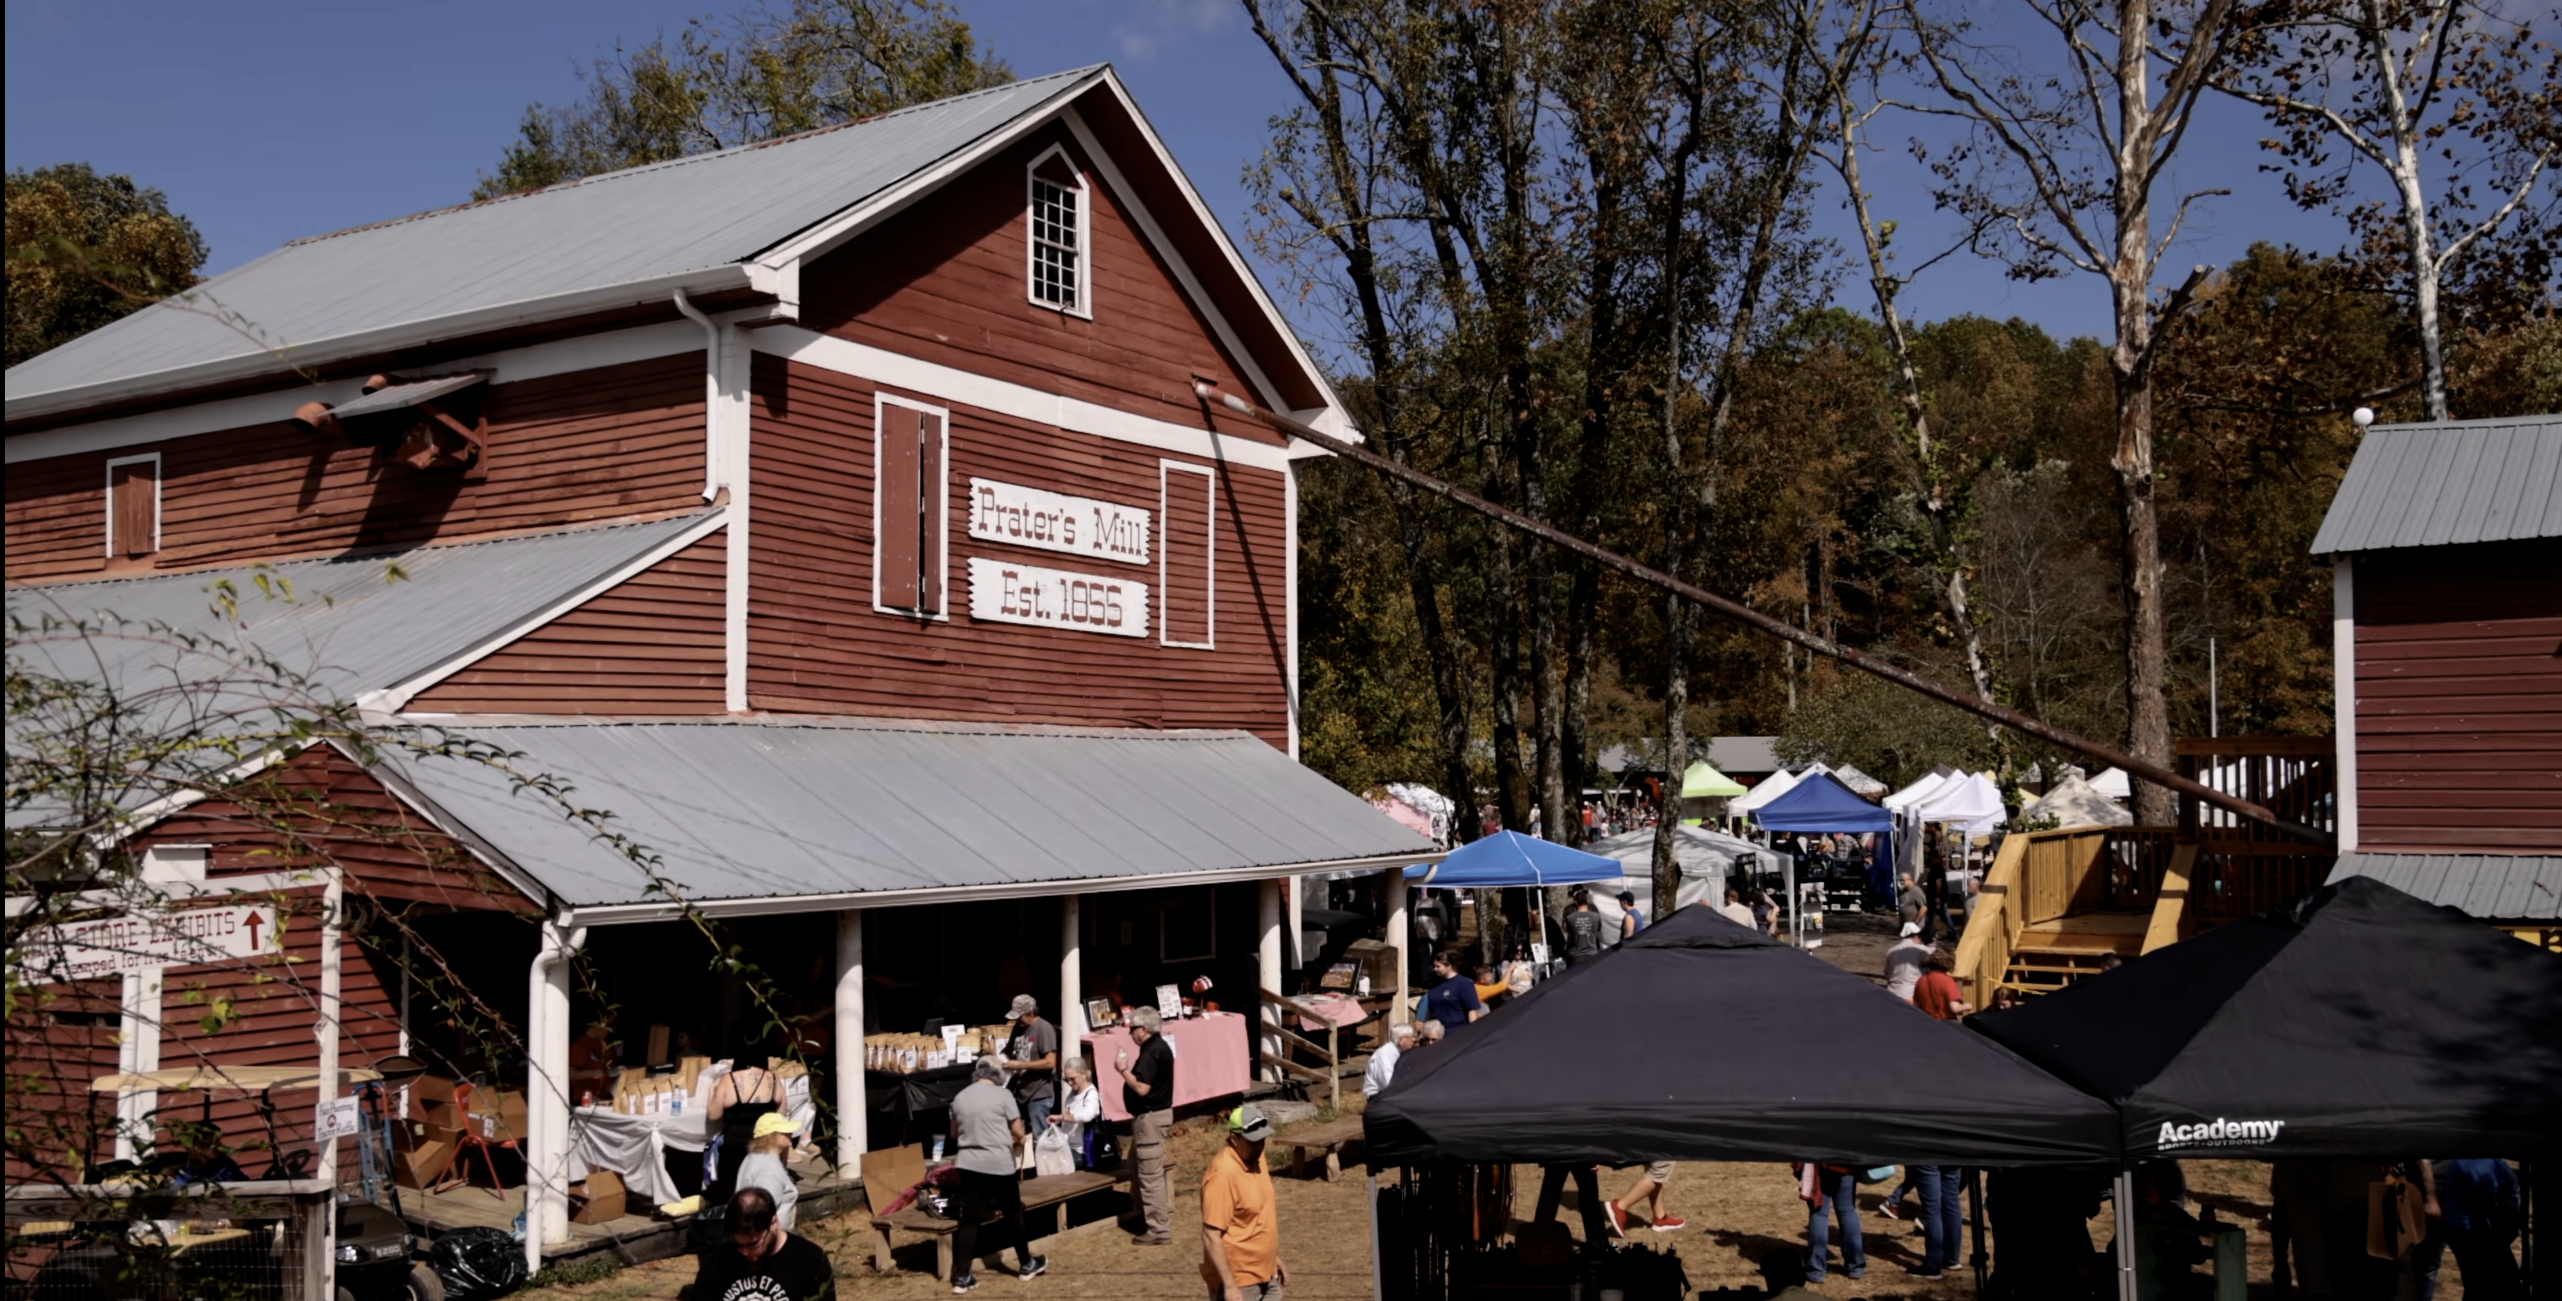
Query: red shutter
column 895, row 507
column 929, row 511
column 133, row 505
column 1186, row 543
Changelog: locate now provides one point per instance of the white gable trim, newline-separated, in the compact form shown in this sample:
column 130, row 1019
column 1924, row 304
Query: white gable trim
column 1022, row 402
column 384, row 702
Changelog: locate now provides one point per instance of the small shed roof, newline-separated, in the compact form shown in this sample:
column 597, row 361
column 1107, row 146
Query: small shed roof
column 2459, row 481
column 2494, row 887
column 1745, row 753
column 766, row 814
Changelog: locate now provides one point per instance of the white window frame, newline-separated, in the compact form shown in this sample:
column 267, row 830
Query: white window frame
column 156, row 468
column 1084, row 190
column 942, row 612
column 1165, row 552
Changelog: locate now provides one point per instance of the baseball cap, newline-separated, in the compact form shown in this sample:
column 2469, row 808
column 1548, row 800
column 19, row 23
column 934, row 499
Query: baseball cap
column 1023, row 1006
column 1249, row 1122
column 1910, row 930
column 775, row 1122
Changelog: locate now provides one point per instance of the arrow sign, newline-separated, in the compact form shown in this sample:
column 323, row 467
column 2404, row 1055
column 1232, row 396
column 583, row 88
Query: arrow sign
column 113, row 946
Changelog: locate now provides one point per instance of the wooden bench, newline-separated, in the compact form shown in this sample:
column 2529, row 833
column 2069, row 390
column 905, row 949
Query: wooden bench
column 888, row 1173
column 1328, row 1138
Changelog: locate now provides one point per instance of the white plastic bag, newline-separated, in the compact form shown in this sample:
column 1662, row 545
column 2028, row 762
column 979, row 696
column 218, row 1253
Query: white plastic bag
column 1051, row 1154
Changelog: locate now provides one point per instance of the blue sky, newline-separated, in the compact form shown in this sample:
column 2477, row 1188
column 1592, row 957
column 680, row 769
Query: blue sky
column 271, row 121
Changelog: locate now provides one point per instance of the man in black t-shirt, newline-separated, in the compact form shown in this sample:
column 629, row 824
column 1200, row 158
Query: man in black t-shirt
column 762, row 1261
column 1147, row 1092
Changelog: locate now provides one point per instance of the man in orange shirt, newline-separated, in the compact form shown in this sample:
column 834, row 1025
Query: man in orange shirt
column 1240, row 1229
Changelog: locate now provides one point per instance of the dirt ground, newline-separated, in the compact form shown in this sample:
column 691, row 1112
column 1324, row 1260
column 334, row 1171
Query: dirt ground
column 1737, row 1215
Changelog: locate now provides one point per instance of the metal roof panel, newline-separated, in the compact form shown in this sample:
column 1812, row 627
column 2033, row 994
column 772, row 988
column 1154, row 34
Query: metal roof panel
column 776, row 808
column 2448, row 484
column 633, row 227
column 2501, row 887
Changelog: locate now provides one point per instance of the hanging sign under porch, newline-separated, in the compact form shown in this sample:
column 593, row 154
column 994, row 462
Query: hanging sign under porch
column 1003, row 592
column 1055, row 521
column 113, row 946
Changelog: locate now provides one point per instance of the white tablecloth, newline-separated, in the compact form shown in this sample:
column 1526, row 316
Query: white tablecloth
column 636, row 1147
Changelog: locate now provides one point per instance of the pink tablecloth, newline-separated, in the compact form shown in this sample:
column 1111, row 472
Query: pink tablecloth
column 1212, row 1059
column 1317, row 1011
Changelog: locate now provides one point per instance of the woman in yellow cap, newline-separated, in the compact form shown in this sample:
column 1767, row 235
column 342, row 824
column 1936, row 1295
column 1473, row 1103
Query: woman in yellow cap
column 764, row 1167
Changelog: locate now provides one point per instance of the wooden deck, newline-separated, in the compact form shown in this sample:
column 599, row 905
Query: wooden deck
column 632, row 1239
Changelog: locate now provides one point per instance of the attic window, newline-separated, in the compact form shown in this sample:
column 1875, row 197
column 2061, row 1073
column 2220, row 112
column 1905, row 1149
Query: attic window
column 1059, row 238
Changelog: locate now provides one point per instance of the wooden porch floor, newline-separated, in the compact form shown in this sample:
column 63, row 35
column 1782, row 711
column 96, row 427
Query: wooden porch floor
column 2087, row 933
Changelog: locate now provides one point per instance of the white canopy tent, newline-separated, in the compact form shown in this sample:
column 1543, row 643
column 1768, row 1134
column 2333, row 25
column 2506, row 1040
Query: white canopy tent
column 2073, row 802
column 1859, row 782
column 1908, row 841
column 1709, row 860
column 1972, row 803
column 1770, row 788
column 2114, row 784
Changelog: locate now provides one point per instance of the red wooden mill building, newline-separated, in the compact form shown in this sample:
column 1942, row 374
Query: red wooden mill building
column 835, row 513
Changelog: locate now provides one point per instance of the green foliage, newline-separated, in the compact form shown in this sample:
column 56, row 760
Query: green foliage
column 763, row 75
column 86, row 249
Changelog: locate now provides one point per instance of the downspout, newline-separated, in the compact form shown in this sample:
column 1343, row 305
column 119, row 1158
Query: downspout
column 712, row 449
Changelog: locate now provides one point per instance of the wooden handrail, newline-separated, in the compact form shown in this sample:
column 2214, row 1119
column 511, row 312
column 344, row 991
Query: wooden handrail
column 2171, row 908
column 1331, row 1049
column 1994, row 926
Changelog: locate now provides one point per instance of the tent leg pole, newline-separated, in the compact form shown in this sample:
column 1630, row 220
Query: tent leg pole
column 1975, row 1204
column 2125, row 1199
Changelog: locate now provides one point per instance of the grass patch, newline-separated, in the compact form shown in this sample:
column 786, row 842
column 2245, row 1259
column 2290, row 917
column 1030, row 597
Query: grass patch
column 574, row 1273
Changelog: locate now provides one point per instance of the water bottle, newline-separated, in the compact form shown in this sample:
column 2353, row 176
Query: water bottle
column 938, row 1147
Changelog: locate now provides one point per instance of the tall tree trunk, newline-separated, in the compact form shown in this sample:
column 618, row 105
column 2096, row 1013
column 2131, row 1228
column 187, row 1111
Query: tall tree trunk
column 2148, row 722
column 1503, row 642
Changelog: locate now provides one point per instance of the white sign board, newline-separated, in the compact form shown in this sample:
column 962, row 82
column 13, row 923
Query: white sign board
column 1053, row 521
column 335, row 1118
column 113, row 946
column 1001, row 592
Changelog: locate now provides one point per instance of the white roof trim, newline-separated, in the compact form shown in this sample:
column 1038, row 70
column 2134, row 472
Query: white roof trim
column 407, row 334
column 380, row 704
column 767, row 906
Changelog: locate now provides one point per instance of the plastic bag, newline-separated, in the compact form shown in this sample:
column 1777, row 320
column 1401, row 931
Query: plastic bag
column 1051, row 1154
column 478, row 1263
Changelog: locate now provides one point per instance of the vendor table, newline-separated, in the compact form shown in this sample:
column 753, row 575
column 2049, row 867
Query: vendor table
column 1212, row 1059
column 907, row 1096
column 636, row 1147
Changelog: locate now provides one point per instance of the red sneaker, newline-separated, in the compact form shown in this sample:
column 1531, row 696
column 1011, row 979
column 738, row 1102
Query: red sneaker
column 1618, row 1220
column 1669, row 1224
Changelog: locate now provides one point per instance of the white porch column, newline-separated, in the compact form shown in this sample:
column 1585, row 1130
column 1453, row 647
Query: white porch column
column 333, row 915
column 1267, row 899
column 853, row 1114
column 1400, row 935
column 1071, row 1011
column 547, row 1100
column 138, row 1052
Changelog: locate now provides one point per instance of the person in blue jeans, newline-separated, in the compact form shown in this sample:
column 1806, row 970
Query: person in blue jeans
column 1838, row 1186
column 1943, row 1217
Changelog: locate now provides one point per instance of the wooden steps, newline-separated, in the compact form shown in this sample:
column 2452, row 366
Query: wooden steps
column 2051, row 955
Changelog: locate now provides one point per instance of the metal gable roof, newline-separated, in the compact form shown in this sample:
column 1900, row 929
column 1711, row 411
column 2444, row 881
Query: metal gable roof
column 343, row 625
column 782, row 809
column 645, row 228
column 2495, row 887
column 2460, row 481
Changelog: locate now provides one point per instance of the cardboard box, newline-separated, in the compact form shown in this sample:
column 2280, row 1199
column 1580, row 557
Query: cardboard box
column 1377, row 960
column 497, row 1115
column 432, row 1098
column 416, row 1165
column 597, row 1200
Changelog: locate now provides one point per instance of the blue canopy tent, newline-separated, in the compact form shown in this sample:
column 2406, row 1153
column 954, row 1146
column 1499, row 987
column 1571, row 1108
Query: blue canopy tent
column 1508, row 859
column 1822, row 803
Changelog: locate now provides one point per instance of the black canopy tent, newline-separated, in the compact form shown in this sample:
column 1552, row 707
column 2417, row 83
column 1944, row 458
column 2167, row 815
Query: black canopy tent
column 2359, row 1022
column 1703, row 1040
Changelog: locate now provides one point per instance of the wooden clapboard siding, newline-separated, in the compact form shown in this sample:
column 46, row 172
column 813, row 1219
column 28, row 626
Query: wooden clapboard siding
column 61, row 1041
column 947, row 281
column 596, row 444
column 1186, row 537
column 2459, row 697
column 653, row 644
column 815, row 644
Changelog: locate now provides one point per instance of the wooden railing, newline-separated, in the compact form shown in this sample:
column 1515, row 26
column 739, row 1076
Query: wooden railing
column 1983, row 952
column 1330, row 1051
column 2294, row 777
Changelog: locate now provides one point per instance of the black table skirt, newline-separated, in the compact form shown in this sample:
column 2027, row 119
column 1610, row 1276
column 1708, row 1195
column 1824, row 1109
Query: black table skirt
column 905, row 1097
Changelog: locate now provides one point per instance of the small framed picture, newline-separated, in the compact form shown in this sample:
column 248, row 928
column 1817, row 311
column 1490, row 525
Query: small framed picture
column 1169, row 1001
column 1100, row 1014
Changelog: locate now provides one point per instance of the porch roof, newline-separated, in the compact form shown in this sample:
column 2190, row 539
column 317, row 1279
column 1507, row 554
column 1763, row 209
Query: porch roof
column 776, row 814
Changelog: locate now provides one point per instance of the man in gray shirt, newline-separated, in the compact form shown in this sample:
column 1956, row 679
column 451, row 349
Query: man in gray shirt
column 1032, row 1055
column 985, row 1129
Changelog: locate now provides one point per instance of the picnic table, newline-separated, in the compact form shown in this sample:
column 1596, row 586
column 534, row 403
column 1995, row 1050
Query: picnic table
column 889, row 1173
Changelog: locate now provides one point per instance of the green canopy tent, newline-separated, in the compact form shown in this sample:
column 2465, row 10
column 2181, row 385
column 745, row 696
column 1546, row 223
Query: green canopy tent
column 1705, row 782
